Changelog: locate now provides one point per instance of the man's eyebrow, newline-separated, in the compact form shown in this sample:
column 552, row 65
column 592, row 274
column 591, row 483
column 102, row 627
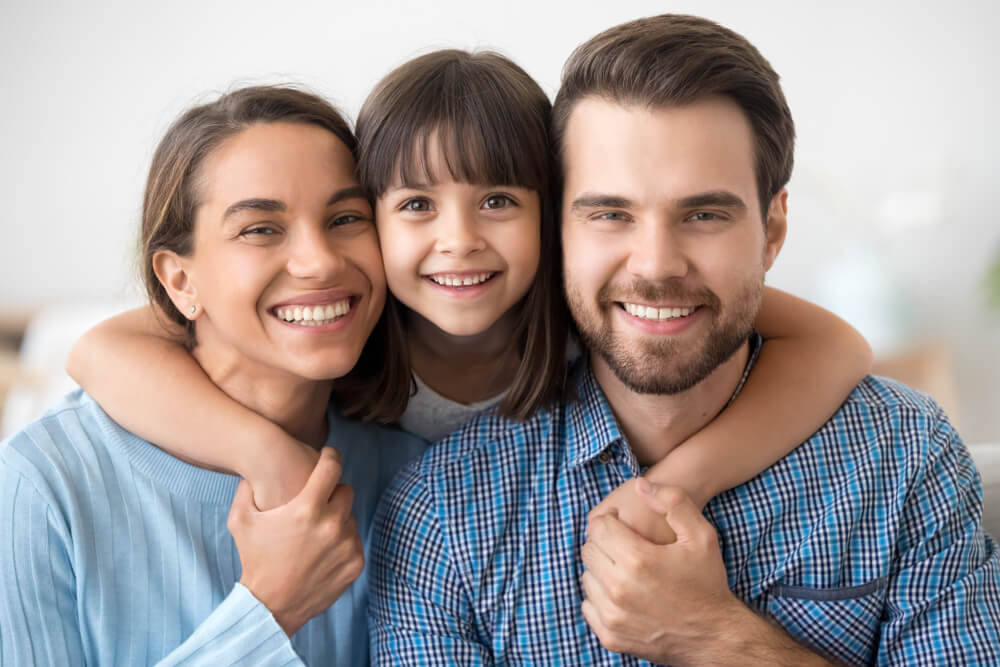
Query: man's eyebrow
column 598, row 200
column 352, row 192
column 254, row 205
column 722, row 198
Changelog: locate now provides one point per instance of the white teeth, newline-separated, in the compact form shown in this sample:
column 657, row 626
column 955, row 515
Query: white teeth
column 314, row 316
column 656, row 314
column 461, row 281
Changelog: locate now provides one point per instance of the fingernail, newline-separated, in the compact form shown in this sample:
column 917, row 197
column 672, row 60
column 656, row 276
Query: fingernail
column 645, row 486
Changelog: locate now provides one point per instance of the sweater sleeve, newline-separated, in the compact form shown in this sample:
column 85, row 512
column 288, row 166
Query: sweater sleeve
column 38, row 612
column 41, row 622
column 240, row 631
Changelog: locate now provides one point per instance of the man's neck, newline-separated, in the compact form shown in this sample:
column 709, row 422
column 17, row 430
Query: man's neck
column 295, row 404
column 655, row 424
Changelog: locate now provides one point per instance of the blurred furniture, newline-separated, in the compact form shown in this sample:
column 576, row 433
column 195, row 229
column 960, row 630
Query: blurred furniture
column 36, row 378
column 928, row 368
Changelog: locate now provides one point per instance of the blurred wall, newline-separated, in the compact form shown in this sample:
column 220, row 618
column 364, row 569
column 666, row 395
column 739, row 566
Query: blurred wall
column 893, row 206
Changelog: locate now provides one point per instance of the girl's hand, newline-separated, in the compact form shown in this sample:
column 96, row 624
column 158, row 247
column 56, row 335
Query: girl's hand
column 626, row 503
column 278, row 470
column 299, row 559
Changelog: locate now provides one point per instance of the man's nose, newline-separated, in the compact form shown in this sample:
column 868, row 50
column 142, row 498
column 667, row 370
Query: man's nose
column 657, row 253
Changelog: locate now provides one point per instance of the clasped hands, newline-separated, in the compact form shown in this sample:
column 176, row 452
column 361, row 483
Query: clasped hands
column 654, row 582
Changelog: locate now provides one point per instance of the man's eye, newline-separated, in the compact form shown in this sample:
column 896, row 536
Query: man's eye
column 498, row 201
column 704, row 216
column 613, row 216
column 416, row 205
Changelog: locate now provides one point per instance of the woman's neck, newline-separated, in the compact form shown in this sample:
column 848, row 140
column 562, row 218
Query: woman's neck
column 466, row 369
column 296, row 404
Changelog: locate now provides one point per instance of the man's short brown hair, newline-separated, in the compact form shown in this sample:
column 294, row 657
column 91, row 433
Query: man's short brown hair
column 673, row 60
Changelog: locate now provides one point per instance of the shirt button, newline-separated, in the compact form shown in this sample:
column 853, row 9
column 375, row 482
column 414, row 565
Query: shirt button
column 604, row 457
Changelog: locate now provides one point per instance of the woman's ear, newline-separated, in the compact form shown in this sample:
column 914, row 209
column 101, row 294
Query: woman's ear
column 776, row 227
column 172, row 272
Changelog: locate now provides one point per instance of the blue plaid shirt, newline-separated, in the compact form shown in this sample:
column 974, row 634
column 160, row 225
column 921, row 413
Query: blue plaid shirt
column 865, row 542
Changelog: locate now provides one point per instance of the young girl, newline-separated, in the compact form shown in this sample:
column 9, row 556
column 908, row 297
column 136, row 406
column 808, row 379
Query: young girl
column 454, row 149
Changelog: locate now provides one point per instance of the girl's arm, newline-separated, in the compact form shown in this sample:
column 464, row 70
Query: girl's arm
column 810, row 362
column 145, row 379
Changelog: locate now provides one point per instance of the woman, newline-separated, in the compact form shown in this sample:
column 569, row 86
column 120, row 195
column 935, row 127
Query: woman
column 113, row 551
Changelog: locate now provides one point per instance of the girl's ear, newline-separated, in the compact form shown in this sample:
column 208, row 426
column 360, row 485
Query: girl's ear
column 172, row 273
column 777, row 226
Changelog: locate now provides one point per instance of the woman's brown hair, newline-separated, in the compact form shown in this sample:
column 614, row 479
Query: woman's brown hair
column 491, row 121
column 172, row 198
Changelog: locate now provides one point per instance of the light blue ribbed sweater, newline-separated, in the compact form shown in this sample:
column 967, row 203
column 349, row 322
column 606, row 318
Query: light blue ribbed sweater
column 113, row 552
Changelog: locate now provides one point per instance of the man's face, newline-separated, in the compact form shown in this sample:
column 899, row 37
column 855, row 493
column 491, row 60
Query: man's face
column 665, row 250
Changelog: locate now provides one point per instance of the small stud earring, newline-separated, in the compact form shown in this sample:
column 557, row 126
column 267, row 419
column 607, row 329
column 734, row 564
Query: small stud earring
column 192, row 309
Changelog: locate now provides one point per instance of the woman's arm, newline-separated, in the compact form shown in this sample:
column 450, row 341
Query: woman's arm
column 811, row 360
column 145, row 379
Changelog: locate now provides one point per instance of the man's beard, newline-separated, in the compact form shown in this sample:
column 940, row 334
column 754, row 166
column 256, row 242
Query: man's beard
column 666, row 364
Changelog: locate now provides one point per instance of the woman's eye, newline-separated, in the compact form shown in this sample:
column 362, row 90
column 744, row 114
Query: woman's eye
column 613, row 216
column 345, row 219
column 259, row 231
column 416, row 205
column 497, row 201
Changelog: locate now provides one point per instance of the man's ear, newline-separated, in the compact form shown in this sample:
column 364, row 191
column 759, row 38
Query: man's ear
column 172, row 272
column 777, row 226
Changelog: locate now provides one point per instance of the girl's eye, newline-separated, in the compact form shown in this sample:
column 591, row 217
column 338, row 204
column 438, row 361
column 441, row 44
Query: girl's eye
column 497, row 202
column 417, row 205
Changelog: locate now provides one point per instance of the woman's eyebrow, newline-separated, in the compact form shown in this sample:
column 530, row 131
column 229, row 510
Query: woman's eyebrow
column 262, row 204
column 255, row 204
column 352, row 192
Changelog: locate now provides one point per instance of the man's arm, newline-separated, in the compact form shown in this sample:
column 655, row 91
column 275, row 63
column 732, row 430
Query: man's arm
column 671, row 603
column 943, row 601
column 419, row 611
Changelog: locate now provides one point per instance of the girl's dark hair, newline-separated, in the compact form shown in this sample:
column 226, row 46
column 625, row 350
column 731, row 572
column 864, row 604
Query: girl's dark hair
column 491, row 122
column 172, row 198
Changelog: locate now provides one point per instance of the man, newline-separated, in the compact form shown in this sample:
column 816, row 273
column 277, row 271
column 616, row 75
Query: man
column 862, row 545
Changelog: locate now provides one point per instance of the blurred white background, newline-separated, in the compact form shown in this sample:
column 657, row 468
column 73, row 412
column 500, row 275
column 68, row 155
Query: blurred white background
column 893, row 208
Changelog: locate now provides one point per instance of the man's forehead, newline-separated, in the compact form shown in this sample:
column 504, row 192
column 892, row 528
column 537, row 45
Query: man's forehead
column 615, row 147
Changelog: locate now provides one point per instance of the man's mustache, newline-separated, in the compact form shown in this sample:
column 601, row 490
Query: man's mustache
column 671, row 291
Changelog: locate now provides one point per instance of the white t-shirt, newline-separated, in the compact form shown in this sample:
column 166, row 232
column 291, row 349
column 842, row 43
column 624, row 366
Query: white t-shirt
column 431, row 416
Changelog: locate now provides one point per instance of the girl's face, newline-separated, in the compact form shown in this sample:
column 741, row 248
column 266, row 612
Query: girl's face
column 286, row 266
column 458, row 254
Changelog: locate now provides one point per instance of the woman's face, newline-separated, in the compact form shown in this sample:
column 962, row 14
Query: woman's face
column 461, row 255
column 286, row 264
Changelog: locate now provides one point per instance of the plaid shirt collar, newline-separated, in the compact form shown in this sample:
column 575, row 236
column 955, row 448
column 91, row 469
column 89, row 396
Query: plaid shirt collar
column 592, row 427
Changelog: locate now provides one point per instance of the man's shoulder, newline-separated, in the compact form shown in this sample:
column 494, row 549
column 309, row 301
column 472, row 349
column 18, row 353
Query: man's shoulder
column 886, row 413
